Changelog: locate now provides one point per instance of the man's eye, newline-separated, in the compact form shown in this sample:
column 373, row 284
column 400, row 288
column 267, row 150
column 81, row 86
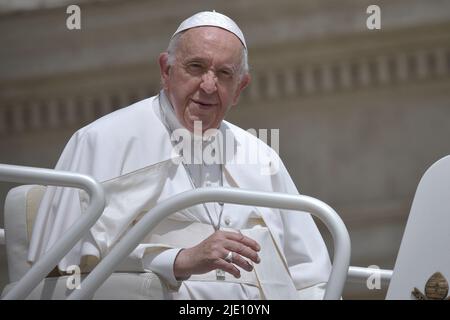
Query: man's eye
column 226, row 73
column 195, row 67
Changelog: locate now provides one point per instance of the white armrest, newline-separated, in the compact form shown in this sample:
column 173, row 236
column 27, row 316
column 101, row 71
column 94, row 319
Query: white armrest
column 2, row 236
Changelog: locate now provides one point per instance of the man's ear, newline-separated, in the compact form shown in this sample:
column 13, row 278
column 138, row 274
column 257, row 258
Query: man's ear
column 244, row 82
column 164, row 68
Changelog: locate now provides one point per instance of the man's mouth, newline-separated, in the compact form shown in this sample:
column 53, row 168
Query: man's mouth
column 204, row 104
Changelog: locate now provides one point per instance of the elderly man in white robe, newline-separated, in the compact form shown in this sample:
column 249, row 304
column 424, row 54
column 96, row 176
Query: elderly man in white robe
column 210, row 251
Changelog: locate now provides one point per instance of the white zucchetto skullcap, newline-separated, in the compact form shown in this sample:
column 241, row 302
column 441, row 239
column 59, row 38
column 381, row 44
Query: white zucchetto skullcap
column 213, row 19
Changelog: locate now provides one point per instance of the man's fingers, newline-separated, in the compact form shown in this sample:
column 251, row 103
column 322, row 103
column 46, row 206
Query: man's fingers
column 241, row 262
column 240, row 249
column 239, row 237
column 228, row 267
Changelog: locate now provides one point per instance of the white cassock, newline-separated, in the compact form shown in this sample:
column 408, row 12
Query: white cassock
column 136, row 140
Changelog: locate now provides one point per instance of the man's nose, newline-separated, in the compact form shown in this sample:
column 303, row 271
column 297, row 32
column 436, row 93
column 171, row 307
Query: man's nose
column 208, row 83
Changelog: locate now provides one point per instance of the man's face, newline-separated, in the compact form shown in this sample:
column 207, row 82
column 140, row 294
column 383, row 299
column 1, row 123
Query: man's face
column 205, row 80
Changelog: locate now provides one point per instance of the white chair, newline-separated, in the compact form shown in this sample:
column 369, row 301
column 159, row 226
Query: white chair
column 20, row 209
column 21, row 206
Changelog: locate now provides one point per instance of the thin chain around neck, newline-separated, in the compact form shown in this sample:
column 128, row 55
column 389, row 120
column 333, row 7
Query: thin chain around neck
column 191, row 179
column 221, row 204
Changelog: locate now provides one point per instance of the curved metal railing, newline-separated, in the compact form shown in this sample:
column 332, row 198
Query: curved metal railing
column 361, row 275
column 190, row 198
column 41, row 268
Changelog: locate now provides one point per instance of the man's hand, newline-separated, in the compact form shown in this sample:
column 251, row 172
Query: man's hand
column 210, row 255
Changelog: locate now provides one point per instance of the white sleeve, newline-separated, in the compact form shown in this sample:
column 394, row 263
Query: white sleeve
column 162, row 265
column 153, row 258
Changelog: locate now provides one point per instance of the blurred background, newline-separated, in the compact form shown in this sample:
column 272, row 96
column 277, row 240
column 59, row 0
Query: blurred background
column 362, row 113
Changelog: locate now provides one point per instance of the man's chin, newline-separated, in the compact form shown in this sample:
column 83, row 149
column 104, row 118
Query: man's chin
column 199, row 125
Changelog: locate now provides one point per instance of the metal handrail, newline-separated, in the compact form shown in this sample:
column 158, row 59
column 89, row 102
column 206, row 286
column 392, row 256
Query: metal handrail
column 2, row 236
column 362, row 274
column 50, row 259
column 329, row 217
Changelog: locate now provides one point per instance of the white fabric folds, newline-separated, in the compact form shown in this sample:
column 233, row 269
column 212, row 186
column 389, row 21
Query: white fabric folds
column 272, row 273
column 128, row 197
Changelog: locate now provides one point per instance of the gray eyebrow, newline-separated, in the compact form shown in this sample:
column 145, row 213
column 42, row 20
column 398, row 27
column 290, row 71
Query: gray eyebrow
column 232, row 67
